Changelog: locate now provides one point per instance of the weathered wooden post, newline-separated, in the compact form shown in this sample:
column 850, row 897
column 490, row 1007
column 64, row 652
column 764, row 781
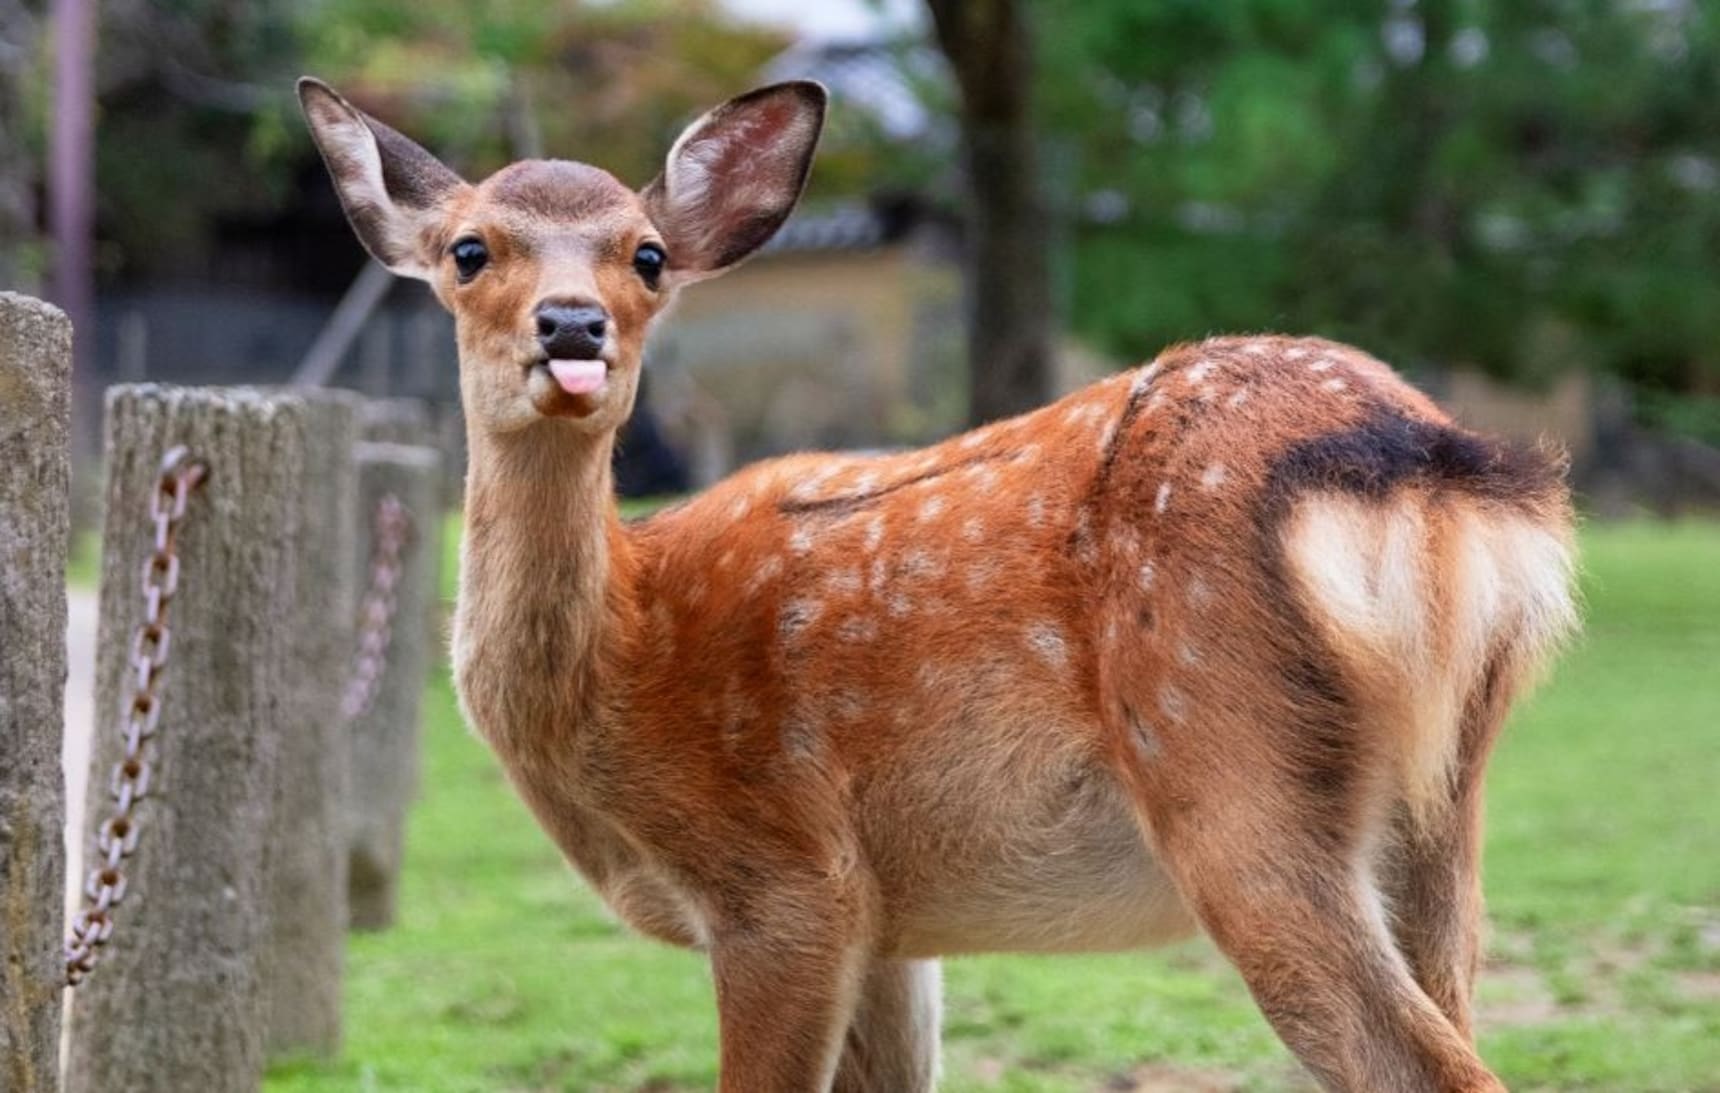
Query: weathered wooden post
column 35, row 480
column 385, row 726
column 176, row 1002
column 305, row 954
column 396, row 421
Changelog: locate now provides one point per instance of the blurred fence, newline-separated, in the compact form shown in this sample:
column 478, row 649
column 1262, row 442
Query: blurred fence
column 234, row 792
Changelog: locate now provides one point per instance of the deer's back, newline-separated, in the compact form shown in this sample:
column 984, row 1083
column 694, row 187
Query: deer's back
column 937, row 662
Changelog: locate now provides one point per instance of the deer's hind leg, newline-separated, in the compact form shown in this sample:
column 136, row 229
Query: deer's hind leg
column 892, row 1042
column 1431, row 870
column 1270, row 819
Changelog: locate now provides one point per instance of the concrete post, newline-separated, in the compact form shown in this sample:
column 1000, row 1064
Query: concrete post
column 35, row 518
column 385, row 736
column 176, row 1002
column 305, row 954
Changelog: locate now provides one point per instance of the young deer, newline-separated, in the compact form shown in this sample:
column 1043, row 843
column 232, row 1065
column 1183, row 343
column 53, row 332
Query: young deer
column 1222, row 642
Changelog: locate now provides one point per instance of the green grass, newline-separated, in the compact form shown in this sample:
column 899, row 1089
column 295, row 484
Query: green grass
column 1603, row 874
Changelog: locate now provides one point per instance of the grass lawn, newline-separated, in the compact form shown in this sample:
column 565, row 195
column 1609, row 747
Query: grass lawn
column 1603, row 875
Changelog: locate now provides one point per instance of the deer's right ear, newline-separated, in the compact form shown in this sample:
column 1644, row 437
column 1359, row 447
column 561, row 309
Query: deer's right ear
column 393, row 191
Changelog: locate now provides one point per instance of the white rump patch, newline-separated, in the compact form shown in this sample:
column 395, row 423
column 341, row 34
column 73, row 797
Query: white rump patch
column 1417, row 611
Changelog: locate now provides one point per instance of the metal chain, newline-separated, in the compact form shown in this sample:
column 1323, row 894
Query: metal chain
column 391, row 527
column 150, row 643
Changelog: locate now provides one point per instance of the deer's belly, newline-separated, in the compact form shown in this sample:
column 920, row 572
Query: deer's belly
column 1042, row 855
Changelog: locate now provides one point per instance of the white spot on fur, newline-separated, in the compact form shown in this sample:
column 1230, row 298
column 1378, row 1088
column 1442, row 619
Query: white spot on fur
column 874, row 532
column 767, row 571
column 922, row 565
column 1334, row 385
column 1164, row 497
column 740, row 507
column 866, row 483
column 1321, row 365
column 974, row 439
column 1199, row 592
column 1083, row 411
column 1213, row 477
column 809, row 488
column 984, row 477
column 973, row 529
column 1027, row 454
column 844, row 581
column 899, row 606
column 1257, row 349
column 1237, row 398
column 1145, row 576
column 880, row 572
column 1046, row 640
column 931, row 508
column 799, row 738
column 726, row 559
column 981, row 574
column 1172, row 703
column 1295, row 353
column 1187, row 654
column 857, row 629
column 1106, row 435
column 801, row 541
column 1036, row 511
column 796, row 616
column 1199, row 372
column 1144, row 379
column 1146, row 743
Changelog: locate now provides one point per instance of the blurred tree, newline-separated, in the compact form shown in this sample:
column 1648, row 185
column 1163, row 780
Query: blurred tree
column 1010, row 316
column 1524, row 186
column 22, row 63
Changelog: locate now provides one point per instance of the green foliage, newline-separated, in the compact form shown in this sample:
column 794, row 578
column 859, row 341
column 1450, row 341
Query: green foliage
column 505, row 974
column 1276, row 164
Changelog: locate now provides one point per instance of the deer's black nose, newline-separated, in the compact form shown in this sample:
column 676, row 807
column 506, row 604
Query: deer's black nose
column 571, row 331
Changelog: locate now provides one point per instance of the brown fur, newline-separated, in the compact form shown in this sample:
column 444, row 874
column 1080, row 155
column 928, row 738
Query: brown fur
column 1081, row 680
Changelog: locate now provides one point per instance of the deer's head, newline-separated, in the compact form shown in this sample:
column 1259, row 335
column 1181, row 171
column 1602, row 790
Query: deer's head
column 554, row 269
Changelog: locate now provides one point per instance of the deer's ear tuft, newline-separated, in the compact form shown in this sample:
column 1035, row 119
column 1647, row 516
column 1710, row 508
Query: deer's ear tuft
column 393, row 191
column 734, row 176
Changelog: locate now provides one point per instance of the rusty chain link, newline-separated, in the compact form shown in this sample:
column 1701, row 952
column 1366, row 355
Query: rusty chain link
column 116, row 840
column 390, row 528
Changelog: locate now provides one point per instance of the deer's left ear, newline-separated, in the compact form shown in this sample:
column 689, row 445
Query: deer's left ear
column 393, row 191
column 734, row 176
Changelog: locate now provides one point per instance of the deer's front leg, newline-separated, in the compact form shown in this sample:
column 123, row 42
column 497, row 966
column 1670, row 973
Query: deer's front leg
column 787, row 981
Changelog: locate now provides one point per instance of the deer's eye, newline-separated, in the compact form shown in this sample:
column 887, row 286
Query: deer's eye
column 648, row 263
column 470, row 256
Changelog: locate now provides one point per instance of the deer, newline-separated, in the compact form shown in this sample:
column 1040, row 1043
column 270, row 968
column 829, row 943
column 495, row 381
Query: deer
column 1220, row 644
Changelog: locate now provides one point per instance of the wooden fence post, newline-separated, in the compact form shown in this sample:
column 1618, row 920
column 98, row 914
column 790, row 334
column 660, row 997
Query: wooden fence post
column 177, row 1001
column 305, row 954
column 396, row 421
column 35, row 515
column 385, row 735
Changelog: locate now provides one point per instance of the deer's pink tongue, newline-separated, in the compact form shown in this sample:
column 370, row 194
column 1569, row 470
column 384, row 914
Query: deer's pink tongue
column 578, row 377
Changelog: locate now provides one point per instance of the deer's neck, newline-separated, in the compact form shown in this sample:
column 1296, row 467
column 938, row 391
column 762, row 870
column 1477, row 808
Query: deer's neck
column 544, row 587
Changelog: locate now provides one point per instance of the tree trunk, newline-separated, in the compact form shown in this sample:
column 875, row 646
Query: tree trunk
column 1010, row 319
column 385, row 736
column 35, row 515
column 176, row 1002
